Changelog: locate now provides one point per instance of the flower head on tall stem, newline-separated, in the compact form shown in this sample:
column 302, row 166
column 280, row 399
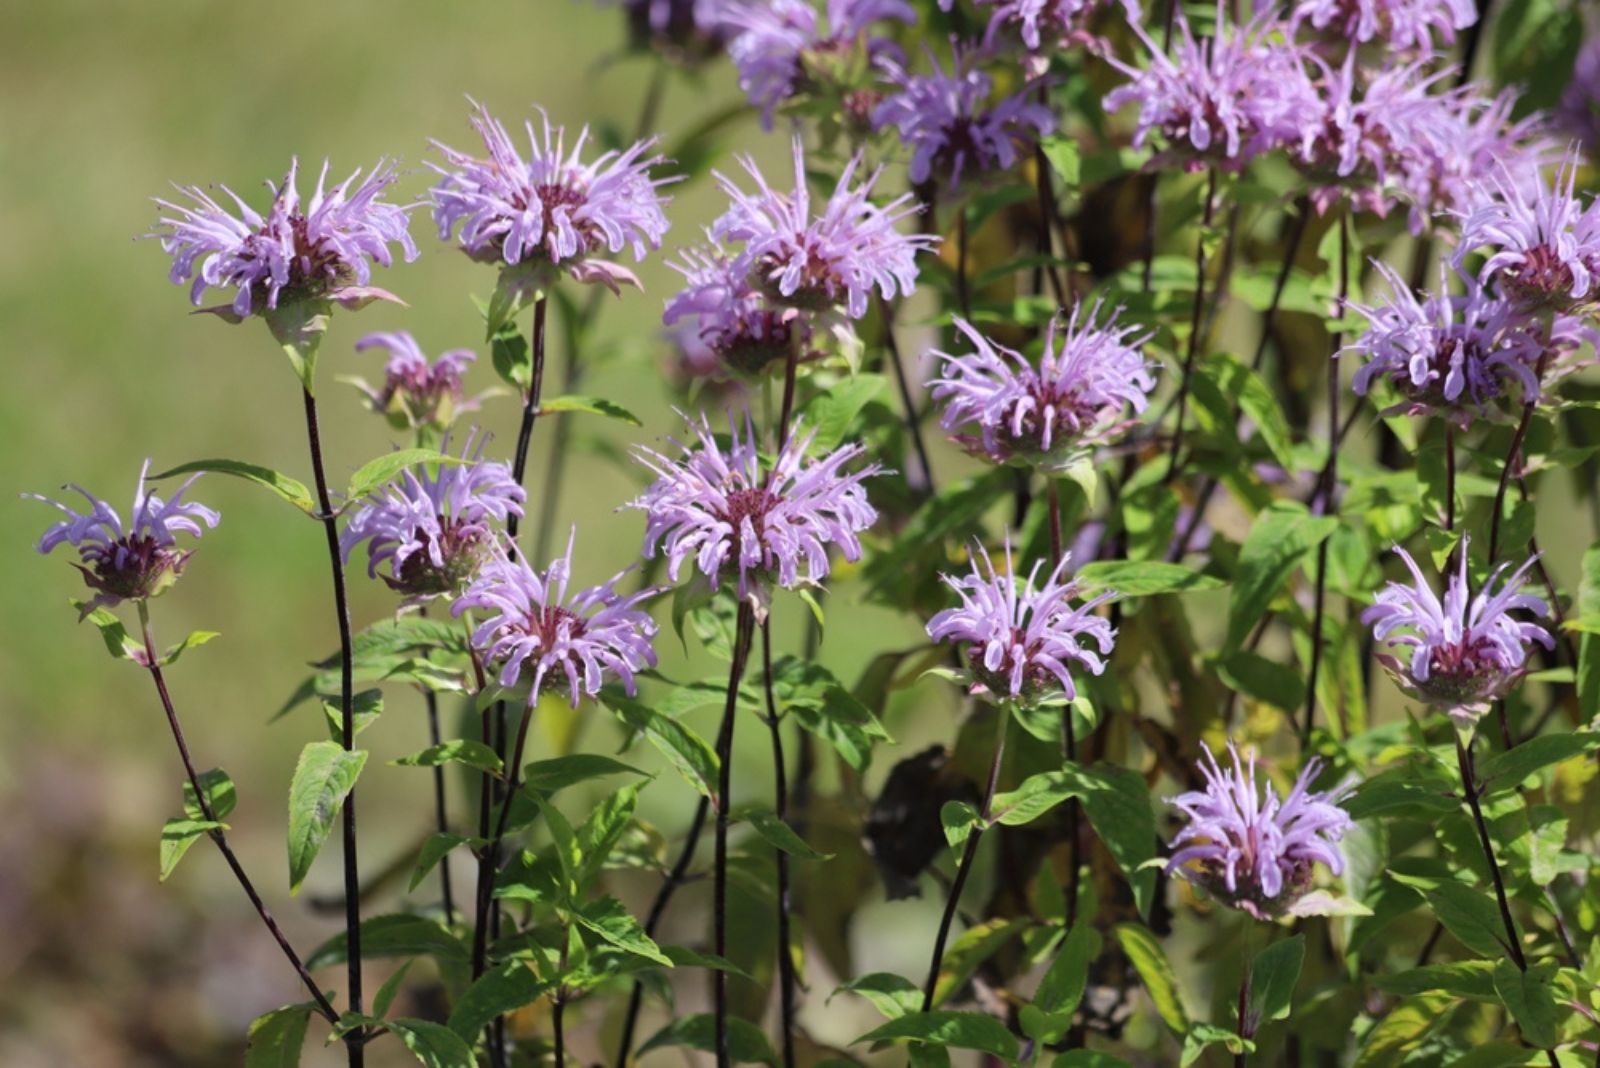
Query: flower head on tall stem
column 1456, row 356
column 551, row 213
column 1220, row 101
column 835, row 257
column 531, row 624
column 947, row 120
column 434, row 530
column 1542, row 243
column 416, row 393
column 1046, row 415
column 1466, row 650
column 319, row 249
column 1023, row 637
column 781, row 46
column 1403, row 25
column 716, row 507
column 1251, row 849
column 133, row 561
column 728, row 315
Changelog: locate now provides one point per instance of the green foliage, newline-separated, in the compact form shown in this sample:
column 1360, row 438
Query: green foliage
column 323, row 778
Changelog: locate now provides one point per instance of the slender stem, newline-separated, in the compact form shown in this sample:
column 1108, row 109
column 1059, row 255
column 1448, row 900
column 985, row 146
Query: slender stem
column 530, row 407
column 441, row 814
column 743, row 630
column 218, row 836
column 1069, row 741
column 964, row 868
column 780, row 792
column 1469, row 786
column 1246, row 1032
column 1050, row 216
column 1513, row 454
column 1449, row 479
column 1327, row 481
column 1297, row 233
column 489, row 863
column 1195, row 321
column 1153, row 209
column 791, row 366
column 558, row 1006
column 891, row 348
column 354, row 1040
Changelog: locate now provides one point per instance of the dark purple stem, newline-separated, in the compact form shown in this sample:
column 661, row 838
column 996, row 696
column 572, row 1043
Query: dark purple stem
column 780, row 793
column 743, row 632
column 1195, row 321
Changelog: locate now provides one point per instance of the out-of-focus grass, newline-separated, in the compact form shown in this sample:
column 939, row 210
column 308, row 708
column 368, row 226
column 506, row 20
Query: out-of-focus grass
column 107, row 104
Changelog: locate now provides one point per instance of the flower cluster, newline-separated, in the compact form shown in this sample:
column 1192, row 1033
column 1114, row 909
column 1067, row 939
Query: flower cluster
column 1541, row 242
column 133, row 562
column 1046, row 415
column 434, row 530
column 818, row 262
column 1404, row 25
column 728, row 317
column 948, row 122
column 1251, row 849
column 416, row 393
column 1222, row 100
column 1041, row 25
column 531, row 623
column 320, row 249
column 551, row 210
column 1466, row 650
column 1023, row 638
column 715, row 505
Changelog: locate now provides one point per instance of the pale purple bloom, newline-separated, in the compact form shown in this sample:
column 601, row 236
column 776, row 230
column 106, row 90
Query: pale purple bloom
column 322, row 248
column 1023, row 638
column 1076, row 397
column 837, row 256
column 1542, row 243
column 1466, row 650
column 432, row 531
column 1577, row 113
column 131, row 562
column 1455, row 139
column 714, row 506
column 551, row 209
column 1044, row 24
column 723, row 312
column 1454, row 355
column 770, row 41
column 1251, row 849
column 414, row 392
column 532, row 623
column 1222, row 100
column 948, row 122
column 1404, row 25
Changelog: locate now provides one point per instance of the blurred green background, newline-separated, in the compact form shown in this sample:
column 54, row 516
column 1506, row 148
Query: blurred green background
column 107, row 104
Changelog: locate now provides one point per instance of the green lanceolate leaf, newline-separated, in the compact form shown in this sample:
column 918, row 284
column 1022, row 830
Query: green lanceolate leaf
column 375, row 474
column 500, row 990
column 176, row 838
column 1278, row 540
column 1505, row 771
column 598, row 835
column 776, row 833
column 466, row 751
column 958, row 1030
column 832, row 414
column 285, row 487
column 1407, row 1027
column 1530, row 998
column 548, row 776
column 400, row 934
column 435, row 1045
column 118, row 642
column 276, row 1037
column 323, row 778
column 365, row 707
column 1460, row 978
column 1062, row 152
column 1202, row 1036
column 1062, row 986
column 1150, row 961
column 893, row 995
column 688, row 753
column 1273, row 975
column 390, row 990
column 195, row 639
column 1143, row 578
column 592, row 405
column 747, row 1043
column 609, row 919
column 220, row 795
column 1466, row 912
column 432, row 852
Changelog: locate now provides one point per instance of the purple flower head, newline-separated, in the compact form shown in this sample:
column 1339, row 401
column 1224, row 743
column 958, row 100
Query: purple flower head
column 532, row 623
column 816, row 263
column 716, row 507
column 1453, row 355
column 133, row 562
column 551, row 211
column 1404, row 25
column 1042, row 25
column 319, row 249
column 434, row 530
column 735, row 323
column 416, row 393
column 1543, row 245
column 1252, row 850
column 777, row 44
column 1023, row 638
column 947, row 121
column 1046, row 415
column 1577, row 113
column 1220, row 101
column 1467, row 650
